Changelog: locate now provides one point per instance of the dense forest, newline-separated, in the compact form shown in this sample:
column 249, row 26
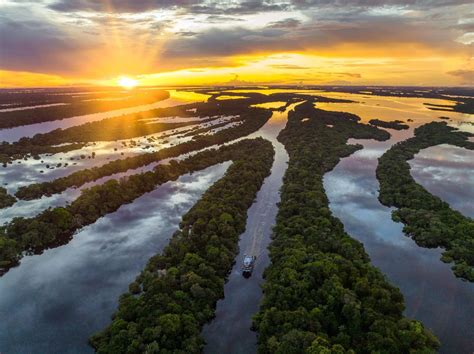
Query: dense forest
column 252, row 120
column 321, row 293
column 137, row 124
column 6, row 199
column 395, row 124
column 169, row 302
column 74, row 108
column 429, row 220
column 121, row 127
column 56, row 226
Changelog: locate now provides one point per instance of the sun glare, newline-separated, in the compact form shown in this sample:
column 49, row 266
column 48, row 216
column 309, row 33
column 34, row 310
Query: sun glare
column 127, row 82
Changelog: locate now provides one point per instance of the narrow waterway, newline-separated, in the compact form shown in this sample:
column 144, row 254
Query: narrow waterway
column 230, row 331
column 53, row 302
column 432, row 294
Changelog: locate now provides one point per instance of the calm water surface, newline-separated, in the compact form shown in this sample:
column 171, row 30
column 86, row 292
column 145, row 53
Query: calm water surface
column 230, row 331
column 447, row 172
column 176, row 98
column 53, row 302
column 432, row 294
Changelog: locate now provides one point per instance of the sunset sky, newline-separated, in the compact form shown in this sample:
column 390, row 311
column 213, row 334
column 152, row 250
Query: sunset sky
column 186, row 42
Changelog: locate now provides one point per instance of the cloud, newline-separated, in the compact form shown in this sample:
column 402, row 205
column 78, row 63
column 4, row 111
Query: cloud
column 467, row 76
column 36, row 45
column 418, row 4
column 240, row 6
column 153, row 36
column 290, row 67
column 286, row 23
column 377, row 33
column 118, row 6
column 191, row 6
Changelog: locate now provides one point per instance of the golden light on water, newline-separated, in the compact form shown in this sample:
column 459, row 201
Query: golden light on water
column 127, row 82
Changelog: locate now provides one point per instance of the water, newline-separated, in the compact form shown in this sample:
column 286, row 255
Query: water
column 447, row 172
column 53, row 302
column 383, row 107
column 230, row 331
column 176, row 98
column 23, row 172
column 433, row 295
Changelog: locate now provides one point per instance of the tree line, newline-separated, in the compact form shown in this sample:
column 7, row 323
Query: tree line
column 116, row 128
column 56, row 226
column 174, row 296
column 76, row 108
column 428, row 220
column 321, row 293
column 6, row 199
column 252, row 119
column 394, row 124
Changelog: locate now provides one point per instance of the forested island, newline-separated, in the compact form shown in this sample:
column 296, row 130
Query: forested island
column 56, row 226
column 6, row 199
column 321, row 293
column 395, row 124
column 77, row 107
column 251, row 118
column 430, row 221
column 174, row 296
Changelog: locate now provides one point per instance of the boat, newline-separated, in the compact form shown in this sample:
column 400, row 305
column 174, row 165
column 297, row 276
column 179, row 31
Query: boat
column 247, row 265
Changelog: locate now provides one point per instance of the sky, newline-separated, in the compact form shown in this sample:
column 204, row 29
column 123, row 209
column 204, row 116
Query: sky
column 187, row 42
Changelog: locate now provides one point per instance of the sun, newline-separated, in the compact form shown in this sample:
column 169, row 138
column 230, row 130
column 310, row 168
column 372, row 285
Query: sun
column 127, row 82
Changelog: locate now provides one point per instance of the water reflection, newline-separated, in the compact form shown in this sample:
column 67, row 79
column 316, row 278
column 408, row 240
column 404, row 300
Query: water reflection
column 270, row 105
column 53, row 302
column 176, row 98
column 383, row 107
column 230, row 331
column 432, row 294
column 447, row 172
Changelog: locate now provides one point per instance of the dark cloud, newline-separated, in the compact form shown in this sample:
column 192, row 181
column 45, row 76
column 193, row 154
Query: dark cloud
column 32, row 43
column 191, row 6
column 36, row 46
column 377, row 32
column 467, row 76
column 379, row 3
column 286, row 23
column 465, row 27
column 238, row 7
column 114, row 6
column 187, row 33
column 222, row 18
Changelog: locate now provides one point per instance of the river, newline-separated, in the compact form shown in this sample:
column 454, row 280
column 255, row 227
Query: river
column 433, row 295
column 53, row 302
column 447, row 172
column 176, row 98
column 230, row 331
